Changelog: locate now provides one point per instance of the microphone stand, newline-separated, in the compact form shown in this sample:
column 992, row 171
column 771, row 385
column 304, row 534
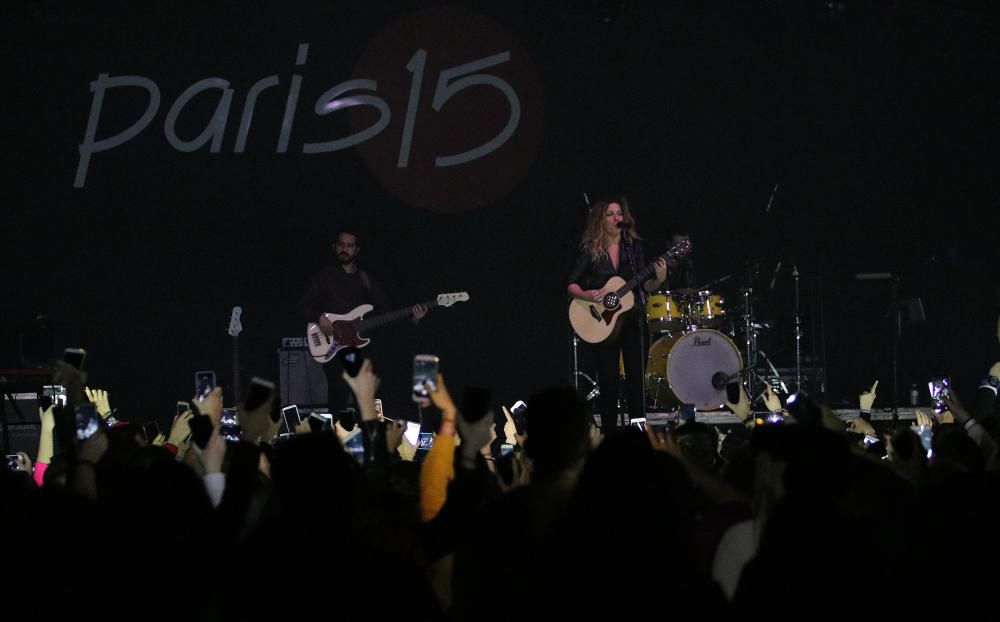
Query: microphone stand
column 798, row 331
column 629, row 252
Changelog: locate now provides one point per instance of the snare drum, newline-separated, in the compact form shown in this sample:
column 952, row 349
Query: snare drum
column 708, row 309
column 664, row 311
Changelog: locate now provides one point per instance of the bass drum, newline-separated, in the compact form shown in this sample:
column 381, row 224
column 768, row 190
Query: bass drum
column 679, row 369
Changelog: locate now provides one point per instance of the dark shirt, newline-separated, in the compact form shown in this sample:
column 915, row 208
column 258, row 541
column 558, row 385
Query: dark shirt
column 681, row 275
column 593, row 275
column 332, row 290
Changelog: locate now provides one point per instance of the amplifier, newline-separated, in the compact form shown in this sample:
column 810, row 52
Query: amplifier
column 293, row 342
column 302, row 379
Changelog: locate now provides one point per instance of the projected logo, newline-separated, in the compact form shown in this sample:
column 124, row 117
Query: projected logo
column 446, row 111
column 467, row 107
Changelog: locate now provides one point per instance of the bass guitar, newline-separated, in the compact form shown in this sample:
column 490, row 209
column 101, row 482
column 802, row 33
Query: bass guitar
column 348, row 328
column 596, row 321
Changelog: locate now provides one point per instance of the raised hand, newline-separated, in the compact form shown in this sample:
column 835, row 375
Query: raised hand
column 520, row 468
column 923, row 419
column 210, row 405
column 741, row 408
column 867, row 398
column 99, row 398
column 509, row 429
column 661, row 440
column 180, row 430
column 860, row 426
column 771, row 400
column 364, row 386
column 394, row 434
column 256, row 423
column 214, row 453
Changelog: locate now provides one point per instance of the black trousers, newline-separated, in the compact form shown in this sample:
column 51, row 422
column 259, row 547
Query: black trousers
column 631, row 342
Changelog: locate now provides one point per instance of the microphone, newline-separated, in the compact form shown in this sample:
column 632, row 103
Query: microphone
column 771, row 200
column 774, row 278
column 624, row 225
column 720, row 378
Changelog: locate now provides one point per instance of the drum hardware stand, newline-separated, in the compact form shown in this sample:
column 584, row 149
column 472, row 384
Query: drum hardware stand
column 595, row 388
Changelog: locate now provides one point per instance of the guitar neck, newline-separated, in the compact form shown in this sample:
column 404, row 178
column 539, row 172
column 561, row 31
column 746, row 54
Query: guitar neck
column 642, row 276
column 392, row 316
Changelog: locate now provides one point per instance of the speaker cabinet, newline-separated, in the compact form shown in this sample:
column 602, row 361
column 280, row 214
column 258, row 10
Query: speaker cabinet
column 302, row 379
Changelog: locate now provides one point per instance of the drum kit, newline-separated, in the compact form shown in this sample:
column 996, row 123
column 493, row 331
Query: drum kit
column 692, row 357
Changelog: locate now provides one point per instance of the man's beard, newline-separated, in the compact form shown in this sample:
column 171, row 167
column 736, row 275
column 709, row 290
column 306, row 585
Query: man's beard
column 344, row 258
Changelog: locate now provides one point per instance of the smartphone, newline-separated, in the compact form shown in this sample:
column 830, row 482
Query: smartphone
column 476, row 404
column 150, row 430
column 317, row 422
column 518, row 412
column 733, row 392
column 940, row 389
column 506, row 449
column 354, row 444
column 425, row 441
column 201, row 430
column 291, row 416
column 351, row 358
column 52, row 394
column 204, row 383
column 687, row 413
column 182, row 407
column 412, row 433
column 87, row 421
column 75, row 357
column 258, row 394
column 425, row 369
column 925, row 433
column 347, row 418
column 771, row 418
column 230, row 421
column 379, row 413
column 13, row 462
column 870, row 440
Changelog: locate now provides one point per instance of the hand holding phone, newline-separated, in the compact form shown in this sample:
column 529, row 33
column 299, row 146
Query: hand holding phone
column 412, row 433
column 291, row 416
column 425, row 371
column 87, row 421
column 318, row 423
column 204, row 383
column 351, row 358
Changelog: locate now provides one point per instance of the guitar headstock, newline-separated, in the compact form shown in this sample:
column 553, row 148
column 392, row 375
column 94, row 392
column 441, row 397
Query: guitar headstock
column 678, row 249
column 235, row 327
column 446, row 300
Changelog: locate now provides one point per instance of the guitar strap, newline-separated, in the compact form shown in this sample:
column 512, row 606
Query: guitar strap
column 365, row 280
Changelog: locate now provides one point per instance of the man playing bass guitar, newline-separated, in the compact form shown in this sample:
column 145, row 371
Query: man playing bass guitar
column 339, row 288
column 610, row 248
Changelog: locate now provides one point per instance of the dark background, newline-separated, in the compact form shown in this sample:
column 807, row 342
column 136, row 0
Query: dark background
column 877, row 119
